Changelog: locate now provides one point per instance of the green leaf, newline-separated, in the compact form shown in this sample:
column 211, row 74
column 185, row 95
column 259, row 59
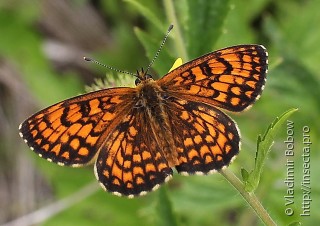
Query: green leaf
column 244, row 174
column 295, row 224
column 264, row 144
column 205, row 22
column 165, row 215
column 146, row 12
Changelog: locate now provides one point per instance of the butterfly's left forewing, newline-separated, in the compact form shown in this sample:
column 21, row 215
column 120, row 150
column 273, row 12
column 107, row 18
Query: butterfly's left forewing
column 72, row 131
column 231, row 78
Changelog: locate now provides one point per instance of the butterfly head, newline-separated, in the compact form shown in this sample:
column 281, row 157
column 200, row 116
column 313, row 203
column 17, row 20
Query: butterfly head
column 142, row 76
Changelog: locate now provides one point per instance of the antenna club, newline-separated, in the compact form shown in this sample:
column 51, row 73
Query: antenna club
column 161, row 45
column 87, row 59
column 107, row 66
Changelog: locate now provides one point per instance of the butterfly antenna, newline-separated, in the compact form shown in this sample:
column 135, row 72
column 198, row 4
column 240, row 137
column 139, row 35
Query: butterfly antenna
column 162, row 44
column 109, row 67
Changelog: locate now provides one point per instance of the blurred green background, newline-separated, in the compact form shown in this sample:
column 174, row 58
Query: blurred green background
column 41, row 48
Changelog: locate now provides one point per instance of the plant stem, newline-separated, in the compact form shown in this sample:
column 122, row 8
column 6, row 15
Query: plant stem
column 179, row 42
column 251, row 198
column 46, row 212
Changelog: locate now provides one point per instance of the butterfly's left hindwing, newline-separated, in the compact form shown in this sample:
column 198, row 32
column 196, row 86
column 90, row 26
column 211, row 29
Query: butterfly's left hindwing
column 130, row 162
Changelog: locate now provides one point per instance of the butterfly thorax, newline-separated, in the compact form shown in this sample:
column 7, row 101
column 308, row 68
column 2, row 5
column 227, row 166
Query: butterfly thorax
column 151, row 100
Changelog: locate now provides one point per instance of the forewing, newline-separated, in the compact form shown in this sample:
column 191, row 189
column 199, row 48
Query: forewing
column 231, row 78
column 70, row 132
column 130, row 162
column 206, row 139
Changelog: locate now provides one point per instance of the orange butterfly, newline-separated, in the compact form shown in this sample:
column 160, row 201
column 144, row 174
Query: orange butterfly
column 134, row 136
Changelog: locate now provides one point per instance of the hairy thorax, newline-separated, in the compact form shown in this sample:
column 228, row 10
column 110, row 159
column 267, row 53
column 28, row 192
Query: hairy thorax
column 152, row 100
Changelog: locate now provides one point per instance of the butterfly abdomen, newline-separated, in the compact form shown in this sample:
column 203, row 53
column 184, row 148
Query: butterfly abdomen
column 152, row 99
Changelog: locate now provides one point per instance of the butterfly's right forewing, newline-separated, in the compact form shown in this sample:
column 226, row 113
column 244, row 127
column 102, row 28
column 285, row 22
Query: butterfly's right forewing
column 231, row 78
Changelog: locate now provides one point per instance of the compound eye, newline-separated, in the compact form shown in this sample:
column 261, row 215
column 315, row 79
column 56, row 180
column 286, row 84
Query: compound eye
column 137, row 81
column 147, row 76
column 165, row 96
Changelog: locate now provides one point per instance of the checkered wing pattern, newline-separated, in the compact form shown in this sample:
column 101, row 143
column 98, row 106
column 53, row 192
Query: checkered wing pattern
column 231, row 78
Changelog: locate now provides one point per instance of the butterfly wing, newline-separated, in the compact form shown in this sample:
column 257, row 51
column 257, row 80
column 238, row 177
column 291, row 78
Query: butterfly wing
column 206, row 139
column 71, row 132
column 231, row 78
column 130, row 162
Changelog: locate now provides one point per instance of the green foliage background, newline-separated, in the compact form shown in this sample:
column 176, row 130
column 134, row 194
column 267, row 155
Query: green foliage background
column 290, row 31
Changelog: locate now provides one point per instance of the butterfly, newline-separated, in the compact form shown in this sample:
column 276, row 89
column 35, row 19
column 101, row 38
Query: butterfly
column 135, row 136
